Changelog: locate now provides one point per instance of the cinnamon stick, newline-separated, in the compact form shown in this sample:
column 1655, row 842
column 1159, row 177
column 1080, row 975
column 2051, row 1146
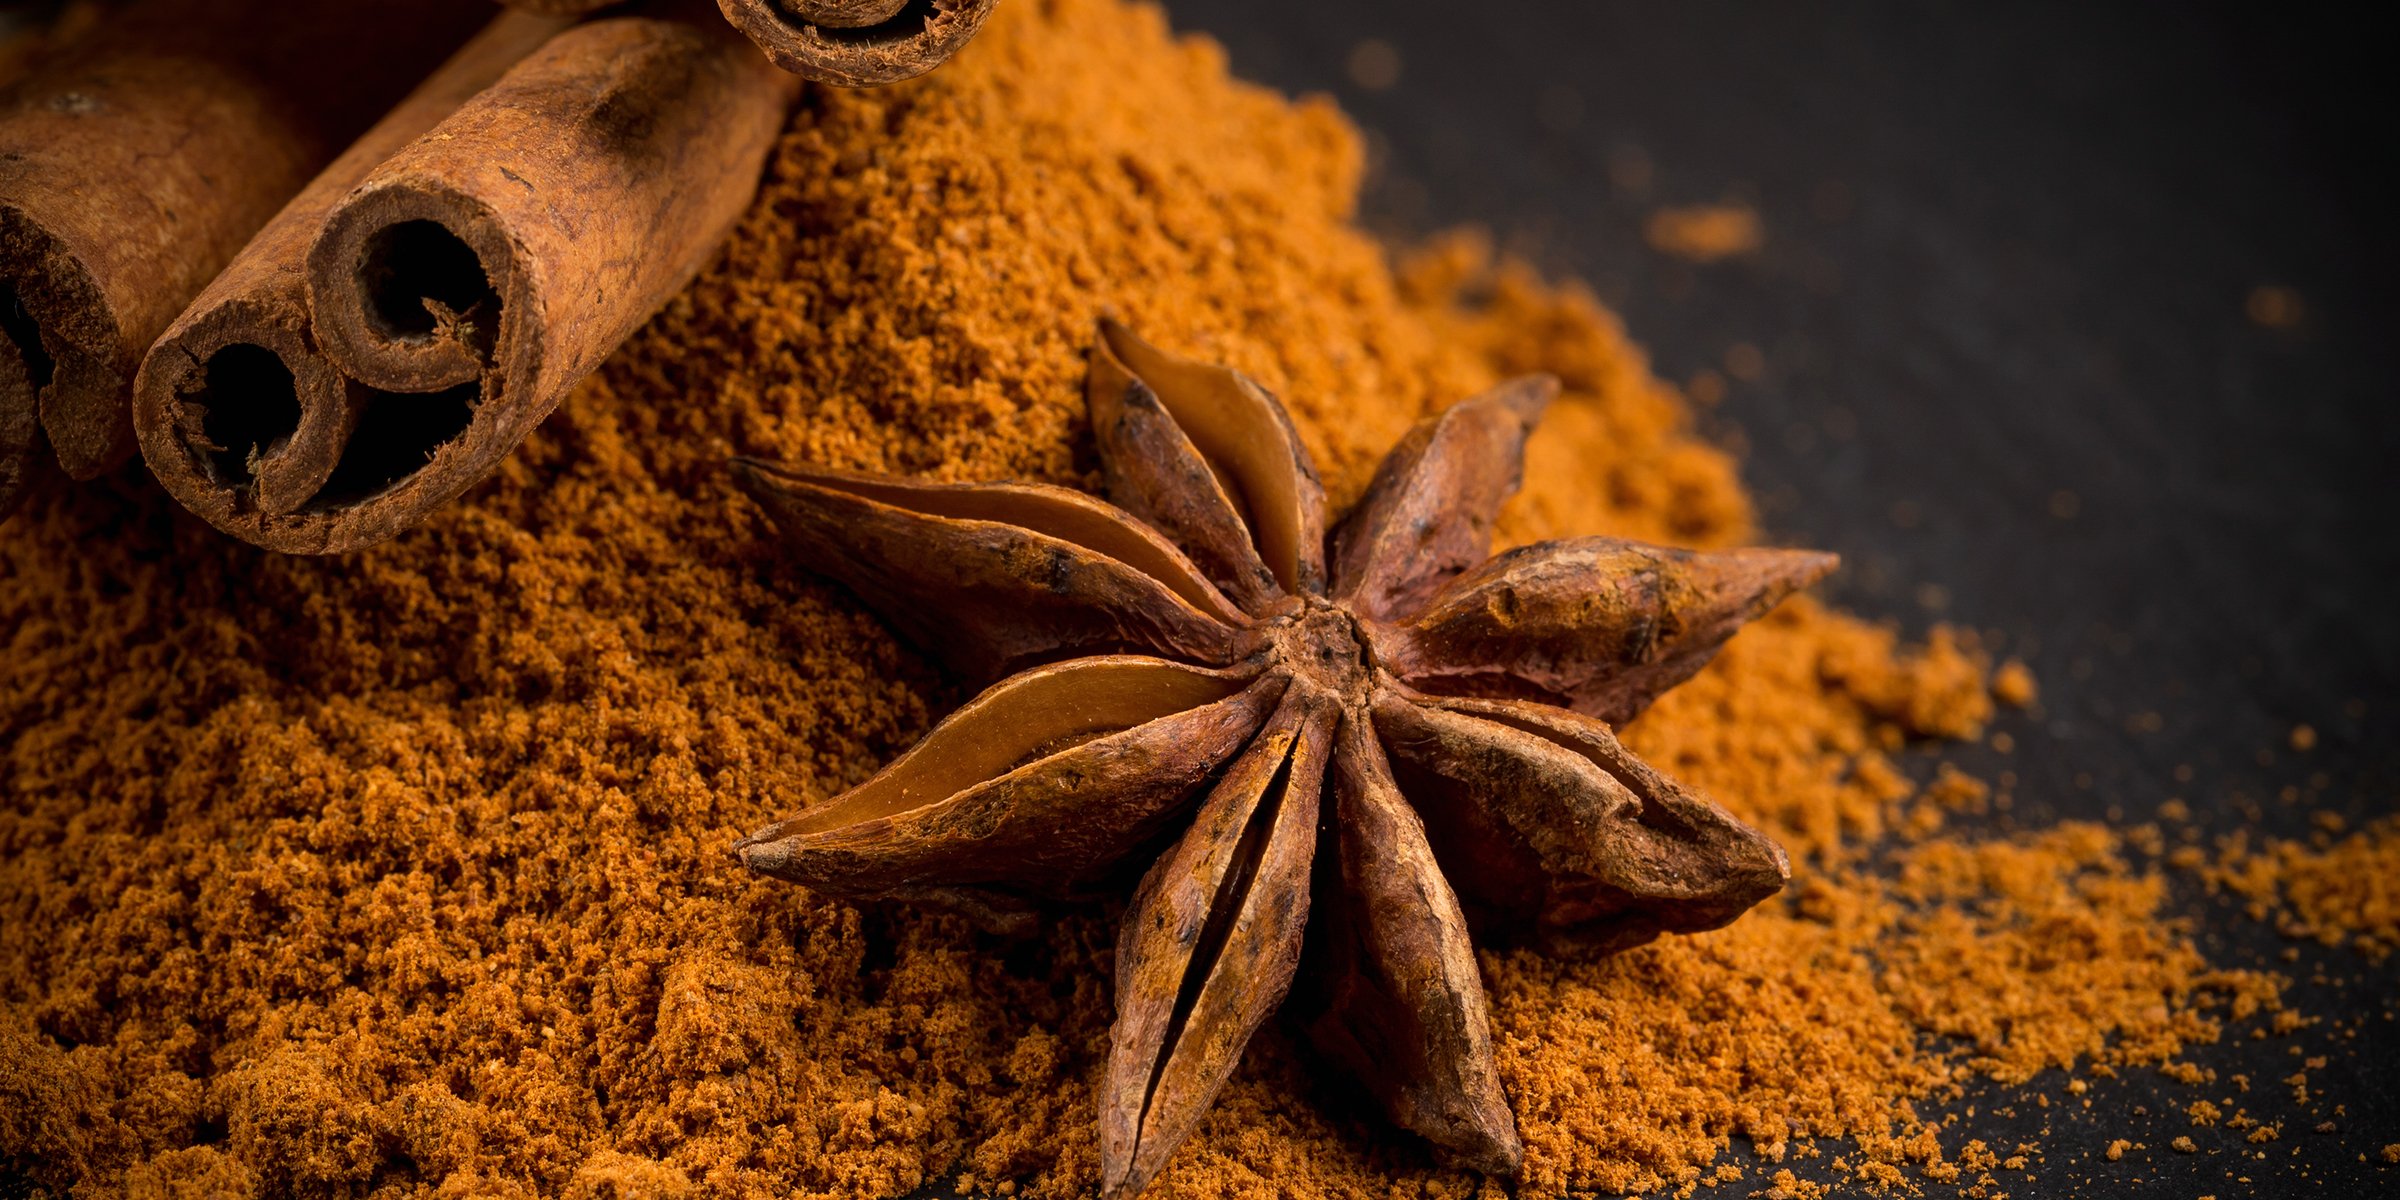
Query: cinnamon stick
column 497, row 259
column 853, row 43
column 239, row 415
column 136, row 163
column 858, row 43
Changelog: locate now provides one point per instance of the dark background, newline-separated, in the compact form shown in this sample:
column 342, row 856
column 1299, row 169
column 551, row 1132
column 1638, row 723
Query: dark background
column 2011, row 376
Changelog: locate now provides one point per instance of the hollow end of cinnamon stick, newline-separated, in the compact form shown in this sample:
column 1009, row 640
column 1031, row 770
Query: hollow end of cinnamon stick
column 858, row 43
column 246, row 421
column 422, row 275
column 248, row 425
column 503, row 254
column 239, row 404
column 139, row 159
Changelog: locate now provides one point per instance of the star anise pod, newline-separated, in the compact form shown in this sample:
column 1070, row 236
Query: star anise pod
column 1387, row 721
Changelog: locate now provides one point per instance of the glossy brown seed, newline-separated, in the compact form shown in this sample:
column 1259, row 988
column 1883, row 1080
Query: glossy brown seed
column 1041, row 782
column 1428, row 515
column 996, row 576
column 1395, row 993
column 1599, row 625
column 1209, row 944
column 1555, row 834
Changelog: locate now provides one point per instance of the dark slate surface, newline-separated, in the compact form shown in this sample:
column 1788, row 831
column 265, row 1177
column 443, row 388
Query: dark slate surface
column 2008, row 257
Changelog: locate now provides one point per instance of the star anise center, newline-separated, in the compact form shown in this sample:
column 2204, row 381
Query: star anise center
column 1321, row 645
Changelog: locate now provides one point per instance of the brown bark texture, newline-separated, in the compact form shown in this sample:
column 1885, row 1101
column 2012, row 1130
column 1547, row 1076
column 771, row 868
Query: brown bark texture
column 459, row 285
column 136, row 161
column 239, row 414
column 852, row 43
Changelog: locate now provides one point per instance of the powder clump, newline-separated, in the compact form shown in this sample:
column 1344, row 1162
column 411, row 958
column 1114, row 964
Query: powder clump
column 2334, row 890
column 404, row 873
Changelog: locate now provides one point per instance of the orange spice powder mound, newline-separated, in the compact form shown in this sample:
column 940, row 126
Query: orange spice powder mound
column 403, row 874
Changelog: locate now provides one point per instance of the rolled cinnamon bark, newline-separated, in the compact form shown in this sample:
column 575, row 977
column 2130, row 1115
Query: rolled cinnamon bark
column 239, row 415
column 858, row 43
column 136, row 163
column 502, row 255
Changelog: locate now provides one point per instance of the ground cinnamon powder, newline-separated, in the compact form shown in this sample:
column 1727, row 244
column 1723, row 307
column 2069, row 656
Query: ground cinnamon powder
column 2338, row 887
column 403, row 874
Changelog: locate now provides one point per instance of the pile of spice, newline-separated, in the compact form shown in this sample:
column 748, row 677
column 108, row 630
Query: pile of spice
column 405, row 873
column 2340, row 886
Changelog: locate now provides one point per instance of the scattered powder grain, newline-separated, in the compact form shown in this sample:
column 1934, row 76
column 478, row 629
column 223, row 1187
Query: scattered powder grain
column 1705, row 233
column 2337, row 891
column 403, row 874
column 2013, row 685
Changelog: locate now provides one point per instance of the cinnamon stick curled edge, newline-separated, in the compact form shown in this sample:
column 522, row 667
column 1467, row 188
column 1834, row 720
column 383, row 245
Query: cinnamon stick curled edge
column 240, row 416
column 858, row 43
column 134, row 166
column 473, row 276
column 853, row 43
